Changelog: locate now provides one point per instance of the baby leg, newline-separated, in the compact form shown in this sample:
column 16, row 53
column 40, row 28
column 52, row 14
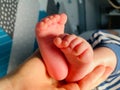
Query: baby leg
column 79, row 55
column 46, row 30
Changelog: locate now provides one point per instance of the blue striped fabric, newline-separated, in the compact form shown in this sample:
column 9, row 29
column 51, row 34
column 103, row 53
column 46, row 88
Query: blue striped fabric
column 5, row 48
column 112, row 83
column 100, row 38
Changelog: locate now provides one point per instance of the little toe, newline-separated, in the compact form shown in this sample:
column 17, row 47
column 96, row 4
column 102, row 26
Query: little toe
column 51, row 17
column 46, row 20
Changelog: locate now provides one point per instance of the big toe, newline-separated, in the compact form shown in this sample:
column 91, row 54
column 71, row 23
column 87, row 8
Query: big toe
column 63, row 19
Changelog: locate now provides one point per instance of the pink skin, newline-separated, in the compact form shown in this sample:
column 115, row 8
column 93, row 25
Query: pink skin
column 79, row 55
column 62, row 52
column 46, row 31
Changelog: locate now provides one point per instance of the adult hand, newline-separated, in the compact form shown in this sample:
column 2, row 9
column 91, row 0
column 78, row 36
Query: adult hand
column 32, row 75
column 96, row 77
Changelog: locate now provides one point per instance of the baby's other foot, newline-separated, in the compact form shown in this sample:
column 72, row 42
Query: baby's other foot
column 79, row 55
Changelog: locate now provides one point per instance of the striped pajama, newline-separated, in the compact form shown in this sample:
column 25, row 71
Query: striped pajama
column 102, row 39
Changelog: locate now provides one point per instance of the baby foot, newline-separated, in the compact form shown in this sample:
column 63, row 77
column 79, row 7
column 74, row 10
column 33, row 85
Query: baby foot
column 46, row 30
column 79, row 55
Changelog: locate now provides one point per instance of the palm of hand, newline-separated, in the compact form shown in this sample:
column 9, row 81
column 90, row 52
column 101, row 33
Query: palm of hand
column 32, row 75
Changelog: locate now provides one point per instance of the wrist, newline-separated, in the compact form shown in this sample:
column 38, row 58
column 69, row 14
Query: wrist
column 11, row 82
column 15, row 81
column 5, row 84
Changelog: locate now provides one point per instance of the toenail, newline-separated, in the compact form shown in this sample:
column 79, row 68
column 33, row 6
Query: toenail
column 65, row 43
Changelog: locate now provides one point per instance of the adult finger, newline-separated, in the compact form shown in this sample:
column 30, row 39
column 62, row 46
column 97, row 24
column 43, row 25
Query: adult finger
column 89, row 80
column 71, row 86
column 105, row 75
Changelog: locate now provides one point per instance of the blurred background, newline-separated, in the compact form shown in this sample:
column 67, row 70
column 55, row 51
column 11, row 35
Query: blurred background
column 18, row 19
